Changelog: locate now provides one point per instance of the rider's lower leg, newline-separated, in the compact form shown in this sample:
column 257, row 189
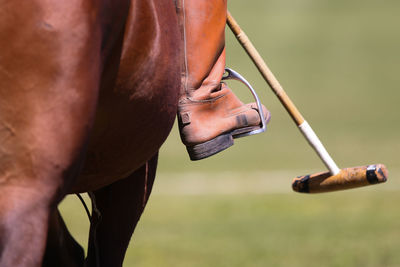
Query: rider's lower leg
column 209, row 113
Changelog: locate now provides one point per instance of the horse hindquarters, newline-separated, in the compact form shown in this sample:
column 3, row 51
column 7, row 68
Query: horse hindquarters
column 52, row 56
column 49, row 69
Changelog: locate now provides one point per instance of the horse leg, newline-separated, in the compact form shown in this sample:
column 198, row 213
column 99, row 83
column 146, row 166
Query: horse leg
column 120, row 206
column 61, row 247
column 49, row 78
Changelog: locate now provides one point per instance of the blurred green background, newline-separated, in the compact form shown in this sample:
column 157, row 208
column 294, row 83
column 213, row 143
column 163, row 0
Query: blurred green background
column 338, row 61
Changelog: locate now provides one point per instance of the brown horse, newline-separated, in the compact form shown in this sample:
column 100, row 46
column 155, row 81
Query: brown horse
column 88, row 93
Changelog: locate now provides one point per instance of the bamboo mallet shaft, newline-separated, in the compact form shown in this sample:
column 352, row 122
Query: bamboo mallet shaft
column 276, row 87
column 264, row 70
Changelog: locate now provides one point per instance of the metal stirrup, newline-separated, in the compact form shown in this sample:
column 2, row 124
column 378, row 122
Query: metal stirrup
column 233, row 75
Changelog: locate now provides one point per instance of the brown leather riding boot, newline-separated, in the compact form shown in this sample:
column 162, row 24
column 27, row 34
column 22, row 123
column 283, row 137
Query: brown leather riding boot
column 209, row 113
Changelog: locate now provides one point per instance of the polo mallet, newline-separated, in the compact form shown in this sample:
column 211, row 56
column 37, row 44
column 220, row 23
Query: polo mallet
column 335, row 178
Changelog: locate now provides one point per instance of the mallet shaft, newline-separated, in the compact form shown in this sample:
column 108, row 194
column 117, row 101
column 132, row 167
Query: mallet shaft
column 276, row 87
column 264, row 70
column 315, row 143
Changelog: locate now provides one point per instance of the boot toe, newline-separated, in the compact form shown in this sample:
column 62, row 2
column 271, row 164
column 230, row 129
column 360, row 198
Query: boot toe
column 253, row 117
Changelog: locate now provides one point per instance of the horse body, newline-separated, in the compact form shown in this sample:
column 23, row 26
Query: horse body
column 88, row 93
column 136, row 108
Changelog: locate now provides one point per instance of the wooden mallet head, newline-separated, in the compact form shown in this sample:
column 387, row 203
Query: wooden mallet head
column 345, row 179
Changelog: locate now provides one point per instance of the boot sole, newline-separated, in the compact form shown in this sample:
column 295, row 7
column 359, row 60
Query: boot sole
column 216, row 145
column 209, row 148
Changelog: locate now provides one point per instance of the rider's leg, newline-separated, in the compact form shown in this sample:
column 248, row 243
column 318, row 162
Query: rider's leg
column 208, row 112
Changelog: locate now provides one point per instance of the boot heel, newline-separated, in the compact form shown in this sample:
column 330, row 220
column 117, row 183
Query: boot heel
column 209, row 148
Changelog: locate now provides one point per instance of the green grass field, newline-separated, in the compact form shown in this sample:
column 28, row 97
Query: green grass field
column 339, row 62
